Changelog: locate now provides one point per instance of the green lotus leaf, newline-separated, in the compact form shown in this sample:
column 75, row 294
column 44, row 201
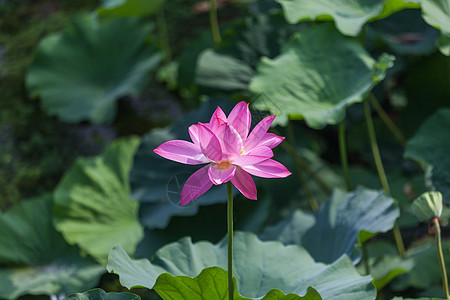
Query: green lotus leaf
column 259, row 267
column 437, row 14
column 430, row 146
column 157, row 182
column 80, row 73
column 340, row 223
column 99, row 294
column 222, row 71
column 231, row 67
column 318, row 75
column 444, row 44
column 426, row 271
column 349, row 16
column 93, row 207
column 129, row 8
column 211, row 283
column 35, row 258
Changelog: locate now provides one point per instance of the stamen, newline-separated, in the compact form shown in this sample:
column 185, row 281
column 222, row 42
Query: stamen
column 223, row 165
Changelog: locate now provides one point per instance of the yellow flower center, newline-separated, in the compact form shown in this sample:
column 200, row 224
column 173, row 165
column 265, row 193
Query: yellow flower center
column 223, row 165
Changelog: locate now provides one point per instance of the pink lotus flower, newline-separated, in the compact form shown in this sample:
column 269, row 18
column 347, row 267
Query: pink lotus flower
column 229, row 151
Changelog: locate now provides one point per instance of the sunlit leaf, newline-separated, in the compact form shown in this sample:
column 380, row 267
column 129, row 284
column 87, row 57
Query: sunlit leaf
column 258, row 267
column 80, row 73
column 99, row 294
column 318, row 75
column 444, row 44
column 430, row 146
column 211, row 283
column 350, row 16
column 129, row 8
column 437, row 14
column 93, row 207
column 157, row 182
column 340, row 223
column 35, row 258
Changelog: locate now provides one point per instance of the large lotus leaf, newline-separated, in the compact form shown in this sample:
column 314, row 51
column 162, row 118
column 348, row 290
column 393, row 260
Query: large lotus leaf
column 93, row 207
column 99, row 294
column 426, row 271
column 430, row 145
column 80, row 73
column 129, row 8
column 340, row 223
column 211, row 283
column 437, row 14
column 444, row 44
column 224, row 72
column 157, row 182
column 231, row 67
column 258, row 266
column 319, row 73
column 35, row 258
column 350, row 16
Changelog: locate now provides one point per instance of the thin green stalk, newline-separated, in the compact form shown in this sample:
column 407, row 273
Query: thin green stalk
column 387, row 121
column 437, row 230
column 230, row 240
column 214, row 22
column 343, row 151
column 164, row 36
column 375, row 149
column 380, row 170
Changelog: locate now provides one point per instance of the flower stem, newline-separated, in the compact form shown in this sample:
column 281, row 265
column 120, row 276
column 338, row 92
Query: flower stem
column 437, row 230
column 230, row 240
column 214, row 23
column 380, row 170
column 343, row 151
column 387, row 121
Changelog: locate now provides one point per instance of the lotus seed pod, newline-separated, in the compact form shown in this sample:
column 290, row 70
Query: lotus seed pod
column 427, row 206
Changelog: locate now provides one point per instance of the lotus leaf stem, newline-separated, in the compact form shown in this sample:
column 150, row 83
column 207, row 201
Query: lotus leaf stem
column 163, row 36
column 380, row 170
column 214, row 22
column 343, row 152
column 387, row 120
